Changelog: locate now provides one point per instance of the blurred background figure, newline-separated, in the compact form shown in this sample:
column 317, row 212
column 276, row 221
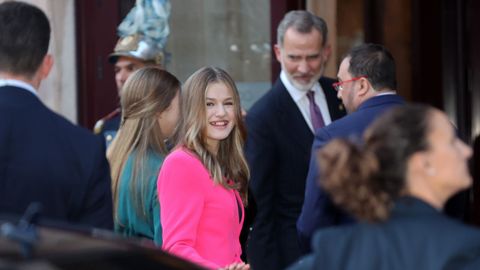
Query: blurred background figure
column 143, row 37
column 203, row 183
column 150, row 102
column 43, row 157
column 397, row 184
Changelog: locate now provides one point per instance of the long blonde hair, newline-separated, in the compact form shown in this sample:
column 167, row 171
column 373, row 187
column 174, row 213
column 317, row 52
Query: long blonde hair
column 229, row 162
column 147, row 92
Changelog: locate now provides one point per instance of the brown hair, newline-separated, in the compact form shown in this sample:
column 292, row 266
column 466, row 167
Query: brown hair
column 24, row 38
column 366, row 179
column 147, row 92
column 229, row 162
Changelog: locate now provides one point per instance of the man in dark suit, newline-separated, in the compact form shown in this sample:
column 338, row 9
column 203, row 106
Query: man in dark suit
column 280, row 130
column 367, row 84
column 43, row 157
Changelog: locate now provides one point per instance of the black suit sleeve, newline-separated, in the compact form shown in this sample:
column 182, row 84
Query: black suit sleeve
column 318, row 211
column 315, row 212
column 97, row 207
column 260, row 153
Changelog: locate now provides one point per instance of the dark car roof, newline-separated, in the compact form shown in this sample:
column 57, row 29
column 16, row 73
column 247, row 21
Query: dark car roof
column 70, row 248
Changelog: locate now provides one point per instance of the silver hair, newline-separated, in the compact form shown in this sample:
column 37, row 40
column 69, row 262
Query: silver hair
column 303, row 22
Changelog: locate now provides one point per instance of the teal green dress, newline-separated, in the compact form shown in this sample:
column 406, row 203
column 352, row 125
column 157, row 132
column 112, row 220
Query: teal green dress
column 129, row 222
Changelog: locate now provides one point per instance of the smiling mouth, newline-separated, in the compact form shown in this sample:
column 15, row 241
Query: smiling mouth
column 219, row 123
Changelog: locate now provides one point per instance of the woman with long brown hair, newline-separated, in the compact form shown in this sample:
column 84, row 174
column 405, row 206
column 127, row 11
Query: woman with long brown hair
column 203, row 183
column 150, row 112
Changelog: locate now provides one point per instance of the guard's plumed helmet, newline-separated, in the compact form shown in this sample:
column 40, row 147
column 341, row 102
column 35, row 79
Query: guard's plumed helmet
column 136, row 47
column 144, row 32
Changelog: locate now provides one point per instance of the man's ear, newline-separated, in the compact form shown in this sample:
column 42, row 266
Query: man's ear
column 326, row 52
column 46, row 66
column 278, row 52
column 364, row 87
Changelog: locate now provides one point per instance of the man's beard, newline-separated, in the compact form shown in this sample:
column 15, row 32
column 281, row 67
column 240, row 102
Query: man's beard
column 302, row 86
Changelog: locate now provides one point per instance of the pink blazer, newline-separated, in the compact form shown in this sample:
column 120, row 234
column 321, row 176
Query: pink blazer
column 200, row 220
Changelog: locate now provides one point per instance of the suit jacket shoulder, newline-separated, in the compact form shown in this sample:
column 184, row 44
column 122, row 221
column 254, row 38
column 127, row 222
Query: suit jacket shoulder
column 275, row 118
column 416, row 236
column 271, row 102
column 355, row 123
column 67, row 162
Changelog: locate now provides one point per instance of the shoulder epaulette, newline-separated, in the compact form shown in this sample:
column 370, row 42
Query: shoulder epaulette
column 97, row 129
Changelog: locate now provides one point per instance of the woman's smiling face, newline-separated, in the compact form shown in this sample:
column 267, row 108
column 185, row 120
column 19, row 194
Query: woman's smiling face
column 220, row 112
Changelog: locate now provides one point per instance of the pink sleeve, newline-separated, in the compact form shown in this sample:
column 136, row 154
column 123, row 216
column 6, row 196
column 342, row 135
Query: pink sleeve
column 181, row 197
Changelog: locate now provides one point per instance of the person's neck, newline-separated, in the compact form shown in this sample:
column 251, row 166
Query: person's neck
column 213, row 151
column 430, row 198
column 384, row 91
column 420, row 188
column 373, row 93
column 11, row 76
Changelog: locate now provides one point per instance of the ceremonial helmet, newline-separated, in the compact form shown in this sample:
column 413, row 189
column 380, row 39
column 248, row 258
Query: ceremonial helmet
column 144, row 32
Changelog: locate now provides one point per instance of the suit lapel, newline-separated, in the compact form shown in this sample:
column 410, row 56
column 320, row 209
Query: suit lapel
column 291, row 121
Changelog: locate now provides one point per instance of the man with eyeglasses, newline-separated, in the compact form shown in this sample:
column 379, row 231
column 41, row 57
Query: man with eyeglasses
column 366, row 85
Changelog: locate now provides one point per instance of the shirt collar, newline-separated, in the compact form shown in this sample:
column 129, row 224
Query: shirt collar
column 19, row 84
column 386, row 93
column 294, row 92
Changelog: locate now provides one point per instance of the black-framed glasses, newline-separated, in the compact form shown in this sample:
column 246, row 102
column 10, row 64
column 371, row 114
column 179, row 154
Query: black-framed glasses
column 339, row 85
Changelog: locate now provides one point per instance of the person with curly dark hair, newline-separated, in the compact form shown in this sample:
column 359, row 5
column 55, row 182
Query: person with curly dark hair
column 396, row 184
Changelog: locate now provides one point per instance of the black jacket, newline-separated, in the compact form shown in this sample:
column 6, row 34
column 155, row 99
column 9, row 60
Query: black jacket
column 416, row 236
column 278, row 153
column 44, row 158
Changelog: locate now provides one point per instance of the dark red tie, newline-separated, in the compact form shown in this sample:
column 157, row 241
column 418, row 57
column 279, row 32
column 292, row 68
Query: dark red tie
column 315, row 114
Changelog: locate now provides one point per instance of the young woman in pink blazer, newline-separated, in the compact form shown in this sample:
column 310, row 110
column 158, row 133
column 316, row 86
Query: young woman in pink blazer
column 202, row 184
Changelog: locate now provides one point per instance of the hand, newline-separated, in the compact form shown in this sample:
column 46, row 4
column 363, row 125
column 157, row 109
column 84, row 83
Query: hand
column 236, row 266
